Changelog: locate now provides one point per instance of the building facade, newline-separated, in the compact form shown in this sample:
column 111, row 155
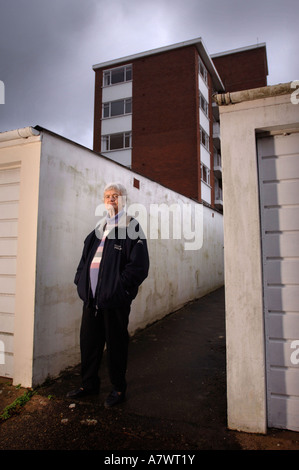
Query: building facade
column 154, row 113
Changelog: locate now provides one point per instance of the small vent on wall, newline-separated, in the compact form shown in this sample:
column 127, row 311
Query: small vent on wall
column 136, row 183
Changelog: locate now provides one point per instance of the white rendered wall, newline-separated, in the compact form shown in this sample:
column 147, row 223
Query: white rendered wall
column 246, row 375
column 72, row 180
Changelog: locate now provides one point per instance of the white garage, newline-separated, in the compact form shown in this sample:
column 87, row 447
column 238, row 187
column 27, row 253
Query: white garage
column 260, row 159
column 9, row 206
column 278, row 158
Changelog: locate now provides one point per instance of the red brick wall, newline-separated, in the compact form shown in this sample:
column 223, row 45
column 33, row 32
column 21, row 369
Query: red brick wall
column 243, row 70
column 165, row 120
column 97, row 111
column 211, row 143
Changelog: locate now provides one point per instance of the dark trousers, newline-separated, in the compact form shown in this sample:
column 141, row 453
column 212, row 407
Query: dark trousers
column 110, row 327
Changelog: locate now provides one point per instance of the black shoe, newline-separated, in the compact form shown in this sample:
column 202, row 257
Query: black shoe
column 81, row 392
column 114, row 398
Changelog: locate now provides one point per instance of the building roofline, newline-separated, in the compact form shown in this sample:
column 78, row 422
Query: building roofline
column 243, row 49
column 138, row 55
column 198, row 42
column 240, row 49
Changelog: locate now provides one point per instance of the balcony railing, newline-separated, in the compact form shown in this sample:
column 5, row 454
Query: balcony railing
column 216, row 134
column 217, row 164
column 216, row 130
column 218, row 197
column 217, row 159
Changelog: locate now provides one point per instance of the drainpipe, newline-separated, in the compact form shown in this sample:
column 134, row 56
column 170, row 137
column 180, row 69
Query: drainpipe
column 22, row 133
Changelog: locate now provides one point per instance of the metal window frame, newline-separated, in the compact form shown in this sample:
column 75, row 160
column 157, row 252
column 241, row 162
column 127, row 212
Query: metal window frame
column 107, row 74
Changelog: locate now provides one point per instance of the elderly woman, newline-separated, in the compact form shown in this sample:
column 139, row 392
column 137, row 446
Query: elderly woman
column 114, row 263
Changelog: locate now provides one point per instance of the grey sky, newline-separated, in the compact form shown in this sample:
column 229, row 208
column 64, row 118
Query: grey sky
column 48, row 48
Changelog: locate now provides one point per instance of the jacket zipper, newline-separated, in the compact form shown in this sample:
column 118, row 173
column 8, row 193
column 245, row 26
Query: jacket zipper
column 97, row 292
column 89, row 282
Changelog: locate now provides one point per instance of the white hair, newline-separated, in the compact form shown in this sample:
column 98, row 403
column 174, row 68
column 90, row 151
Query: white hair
column 118, row 186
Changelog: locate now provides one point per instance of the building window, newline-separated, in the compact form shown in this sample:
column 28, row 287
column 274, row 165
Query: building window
column 203, row 71
column 117, row 108
column 117, row 75
column 203, row 104
column 205, row 174
column 118, row 141
column 204, row 138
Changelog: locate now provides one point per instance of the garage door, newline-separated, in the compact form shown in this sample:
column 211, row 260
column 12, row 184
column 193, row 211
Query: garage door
column 278, row 157
column 9, row 204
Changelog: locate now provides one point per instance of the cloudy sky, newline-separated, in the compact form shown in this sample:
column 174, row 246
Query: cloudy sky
column 48, row 48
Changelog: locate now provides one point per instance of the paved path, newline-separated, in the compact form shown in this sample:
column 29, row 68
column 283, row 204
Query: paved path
column 176, row 398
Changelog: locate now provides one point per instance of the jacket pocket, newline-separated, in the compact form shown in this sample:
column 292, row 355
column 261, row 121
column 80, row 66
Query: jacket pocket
column 124, row 294
column 115, row 297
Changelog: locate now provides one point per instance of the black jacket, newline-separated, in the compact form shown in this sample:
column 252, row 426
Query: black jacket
column 123, row 267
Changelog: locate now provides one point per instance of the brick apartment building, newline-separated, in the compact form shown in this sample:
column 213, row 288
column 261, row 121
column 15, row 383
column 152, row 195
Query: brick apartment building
column 154, row 112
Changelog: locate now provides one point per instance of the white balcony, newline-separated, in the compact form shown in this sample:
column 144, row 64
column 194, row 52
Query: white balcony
column 215, row 110
column 217, row 164
column 218, row 198
column 216, row 134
